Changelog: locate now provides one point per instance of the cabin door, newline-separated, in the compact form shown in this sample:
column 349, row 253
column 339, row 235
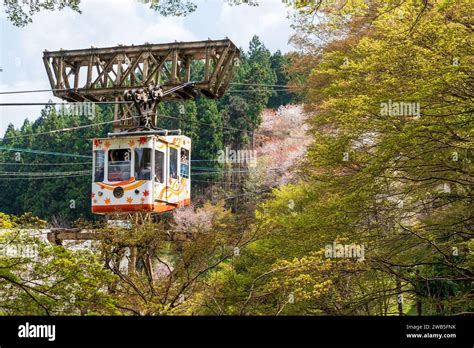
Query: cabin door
column 160, row 172
column 174, row 183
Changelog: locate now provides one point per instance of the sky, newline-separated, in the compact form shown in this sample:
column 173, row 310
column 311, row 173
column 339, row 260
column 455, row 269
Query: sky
column 112, row 22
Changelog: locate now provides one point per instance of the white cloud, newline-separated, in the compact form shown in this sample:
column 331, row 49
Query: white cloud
column 268, row 20
column 17, row 114
column 102, row 23
column 168, row 29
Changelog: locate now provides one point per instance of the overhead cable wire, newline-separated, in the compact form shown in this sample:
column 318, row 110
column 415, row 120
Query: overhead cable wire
column 67, row 129
column 124, row 101
column 45, row 177
column 2, row 148
column 36, row 91
column 259, row 84
column 259, row 90
column 158, row 115
column 44, row 164
column 44, row 173
column 203, row 123
column 72, row 89
column 40, row 152
column 231, row 128
column 58, row 130
column 67, row 103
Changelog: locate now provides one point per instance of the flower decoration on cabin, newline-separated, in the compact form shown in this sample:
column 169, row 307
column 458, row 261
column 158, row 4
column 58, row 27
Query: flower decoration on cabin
column 142, row 200
column 107, row 144
column 142, row 140
column 107, row 201
column 97, row 142
column 131, row 143
column 129, row 199
column 93, row 194
column 146, row 193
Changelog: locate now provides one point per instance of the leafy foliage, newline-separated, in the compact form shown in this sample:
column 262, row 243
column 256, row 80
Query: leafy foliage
column 39, row 279
column 20, row 13
column 397, row 184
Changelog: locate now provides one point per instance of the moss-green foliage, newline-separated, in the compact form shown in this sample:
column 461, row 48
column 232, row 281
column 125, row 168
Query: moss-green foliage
column 400, row 184
column 37, row 278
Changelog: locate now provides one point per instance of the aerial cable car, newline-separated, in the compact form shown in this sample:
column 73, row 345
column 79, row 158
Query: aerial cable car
column 138, row 167
column 135, row 172
column 142, row 169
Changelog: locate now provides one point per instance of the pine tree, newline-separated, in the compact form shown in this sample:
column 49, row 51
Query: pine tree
column 279, row 63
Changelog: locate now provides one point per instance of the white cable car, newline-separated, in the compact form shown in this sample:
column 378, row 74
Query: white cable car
column 141, row 172
column 142, row 169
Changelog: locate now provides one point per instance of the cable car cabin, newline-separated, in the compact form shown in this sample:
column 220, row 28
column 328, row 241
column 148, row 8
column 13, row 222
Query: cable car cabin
column 141, row 173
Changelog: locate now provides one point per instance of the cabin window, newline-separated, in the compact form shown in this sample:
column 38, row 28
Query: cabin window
column 159, row 166
column 184, row 163
column 99, row 165
column 173, row 163
column 119, row 164
column 143, row 164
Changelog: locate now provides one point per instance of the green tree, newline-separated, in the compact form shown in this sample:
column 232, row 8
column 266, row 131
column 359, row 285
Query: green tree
column 279, row 64
column 237, row 122
column 45, row 189
column 210, row 139
column 39, row 279
column 258, row 72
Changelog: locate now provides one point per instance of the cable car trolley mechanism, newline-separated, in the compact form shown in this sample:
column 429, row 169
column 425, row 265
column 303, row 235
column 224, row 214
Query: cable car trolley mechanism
column 138, row 167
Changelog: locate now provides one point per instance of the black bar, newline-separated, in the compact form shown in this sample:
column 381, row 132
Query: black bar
column 243, row 331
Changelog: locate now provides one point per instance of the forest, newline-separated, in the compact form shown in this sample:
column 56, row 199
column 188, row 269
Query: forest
column 360, row 202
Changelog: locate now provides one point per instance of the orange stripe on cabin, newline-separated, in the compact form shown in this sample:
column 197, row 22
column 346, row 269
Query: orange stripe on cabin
column 121, row 183
column 125, row 208
column 127, row 188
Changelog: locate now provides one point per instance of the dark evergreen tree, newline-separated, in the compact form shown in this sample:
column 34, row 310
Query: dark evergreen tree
column 279, row 63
